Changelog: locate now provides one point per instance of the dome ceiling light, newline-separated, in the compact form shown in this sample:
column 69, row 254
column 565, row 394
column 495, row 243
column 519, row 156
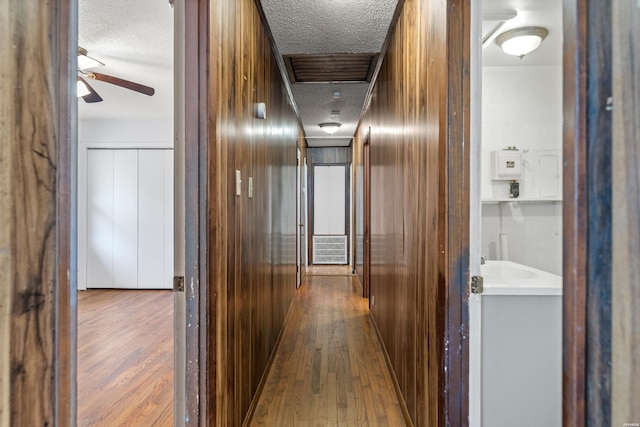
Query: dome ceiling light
column 330, row 127
column 521, row 41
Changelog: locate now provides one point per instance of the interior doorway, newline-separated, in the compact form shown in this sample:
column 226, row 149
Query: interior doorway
column 130, row 187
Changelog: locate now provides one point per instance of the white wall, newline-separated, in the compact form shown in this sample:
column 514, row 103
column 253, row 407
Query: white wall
column 115, row 134
column 522, row 107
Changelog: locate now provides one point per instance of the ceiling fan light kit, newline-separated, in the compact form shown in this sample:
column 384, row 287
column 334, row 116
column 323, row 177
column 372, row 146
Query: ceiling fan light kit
column 81, row 88
column 85, row 62
column 521, row 41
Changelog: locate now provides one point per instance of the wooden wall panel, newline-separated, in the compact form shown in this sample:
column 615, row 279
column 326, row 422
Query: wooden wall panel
column 252, row 240
column 37, row 340
column 418, row 116
column 625, row 397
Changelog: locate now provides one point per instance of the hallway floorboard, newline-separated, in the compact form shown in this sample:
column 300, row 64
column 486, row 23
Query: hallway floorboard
column 329, row 369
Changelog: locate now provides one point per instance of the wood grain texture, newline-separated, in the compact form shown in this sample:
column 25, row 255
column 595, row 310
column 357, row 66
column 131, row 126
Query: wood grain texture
column 125, row 358
column 252, row 256
column 36, row 135
column 574, row 213
column 599, row 184
column 625, row 397
column 587, row 214
column 329, row 368
column 200, row 302
column 418, row 115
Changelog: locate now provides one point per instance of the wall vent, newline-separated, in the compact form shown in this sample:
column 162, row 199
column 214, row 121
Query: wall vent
column 356, row 67
column 329, row 249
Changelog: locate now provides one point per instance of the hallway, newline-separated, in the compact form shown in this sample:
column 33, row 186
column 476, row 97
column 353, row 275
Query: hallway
column 329, row 368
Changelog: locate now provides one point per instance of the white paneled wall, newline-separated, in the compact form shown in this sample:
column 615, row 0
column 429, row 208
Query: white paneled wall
column 129, row 217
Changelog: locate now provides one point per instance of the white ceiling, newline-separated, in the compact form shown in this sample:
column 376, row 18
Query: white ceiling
column 135, row 41
column 539, row 13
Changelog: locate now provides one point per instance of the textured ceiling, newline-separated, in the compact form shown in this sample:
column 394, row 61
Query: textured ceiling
column 329, row 26
column 135, row 41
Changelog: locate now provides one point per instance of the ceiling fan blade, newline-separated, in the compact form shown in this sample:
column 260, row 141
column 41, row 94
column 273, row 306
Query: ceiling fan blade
column 91, row 97
column 123, row 83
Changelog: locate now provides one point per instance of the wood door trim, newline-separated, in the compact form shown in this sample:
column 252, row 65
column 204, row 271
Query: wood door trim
column 586, row 213
column 366, row 217
column 454, row 221
column 200, row 387
column 65, row 312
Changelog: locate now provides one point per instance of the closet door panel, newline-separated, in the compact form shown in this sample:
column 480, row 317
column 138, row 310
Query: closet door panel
column 99, row 255
column 125, row 219
column 152, row 220
column 168, row 209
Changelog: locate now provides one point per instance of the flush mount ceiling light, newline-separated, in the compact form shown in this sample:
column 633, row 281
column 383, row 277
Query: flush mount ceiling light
column 521, row 41
column 330, row 127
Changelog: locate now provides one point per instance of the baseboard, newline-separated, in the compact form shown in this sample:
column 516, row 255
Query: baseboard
column 394, row 380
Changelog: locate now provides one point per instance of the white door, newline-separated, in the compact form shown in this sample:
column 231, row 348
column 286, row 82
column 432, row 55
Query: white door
column 129, row 219
column 329, row 200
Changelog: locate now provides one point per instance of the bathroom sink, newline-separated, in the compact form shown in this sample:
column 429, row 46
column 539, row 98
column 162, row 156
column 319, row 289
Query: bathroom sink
column 499, row 272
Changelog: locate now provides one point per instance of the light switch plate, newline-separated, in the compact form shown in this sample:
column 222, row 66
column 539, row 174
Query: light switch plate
column 250, row 187
column 238, row 183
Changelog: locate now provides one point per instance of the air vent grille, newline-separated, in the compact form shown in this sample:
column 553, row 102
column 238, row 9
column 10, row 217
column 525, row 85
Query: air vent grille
column 329, row 249
column 330, row 68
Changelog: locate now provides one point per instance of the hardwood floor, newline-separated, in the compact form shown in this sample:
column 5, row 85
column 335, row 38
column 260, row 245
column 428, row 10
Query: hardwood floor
column 329, row 368
column 328, row 270
column 125, row 358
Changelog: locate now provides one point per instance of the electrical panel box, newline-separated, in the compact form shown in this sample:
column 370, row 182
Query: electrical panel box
column 506, row 164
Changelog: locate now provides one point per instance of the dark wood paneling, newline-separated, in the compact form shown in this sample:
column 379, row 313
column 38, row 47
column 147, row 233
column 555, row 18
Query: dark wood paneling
column 252, row 241
column 37, row 332
column 625, row 397
column 418, row 115
column 574, row 215
column 587, row 214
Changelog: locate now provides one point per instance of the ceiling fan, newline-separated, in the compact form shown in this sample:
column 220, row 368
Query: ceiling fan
column 87, row 93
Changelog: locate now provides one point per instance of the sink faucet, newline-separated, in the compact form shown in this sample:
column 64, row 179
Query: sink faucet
column 483, row 260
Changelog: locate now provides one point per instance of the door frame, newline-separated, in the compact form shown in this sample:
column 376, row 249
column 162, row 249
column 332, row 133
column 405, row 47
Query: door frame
column 201, row 311
column 587, row 220
column 366, row 216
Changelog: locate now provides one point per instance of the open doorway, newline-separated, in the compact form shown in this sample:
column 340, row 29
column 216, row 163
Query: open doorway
column 516, row 216
column 125, row 187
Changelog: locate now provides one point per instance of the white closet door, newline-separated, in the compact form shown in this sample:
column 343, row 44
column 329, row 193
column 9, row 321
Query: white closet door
column 125, row 218
column 153, row 220
column 99, row 219
column 329, row 200
column 168, row 212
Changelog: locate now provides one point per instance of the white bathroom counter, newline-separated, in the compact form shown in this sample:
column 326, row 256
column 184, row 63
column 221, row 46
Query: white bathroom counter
column 510, row 278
